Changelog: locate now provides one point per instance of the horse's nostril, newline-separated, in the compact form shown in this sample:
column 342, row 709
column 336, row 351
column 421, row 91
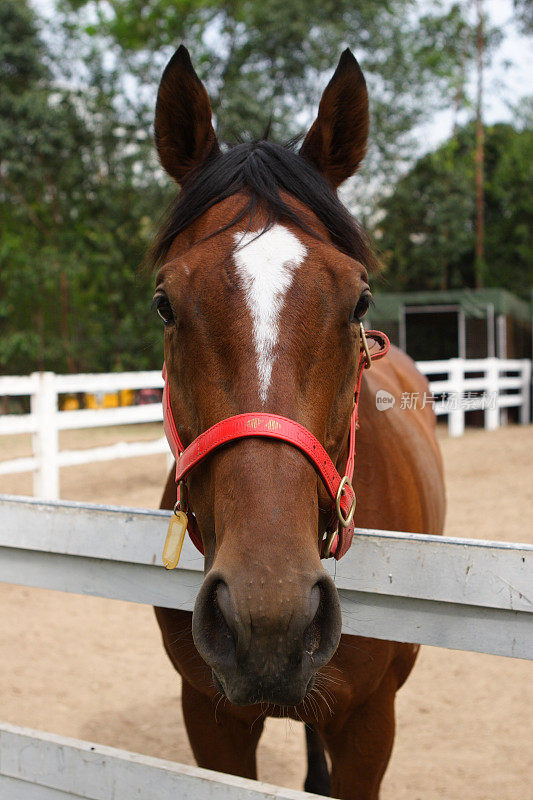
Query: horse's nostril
column 322, row 635
column 315, row 599
column 312, row 639
column 266, row 650
column 212, row 622
column 222, row 599
column 312, row 632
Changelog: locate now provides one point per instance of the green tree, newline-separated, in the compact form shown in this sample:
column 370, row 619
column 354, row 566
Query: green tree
column 76, row 212
column 265, row 63
column 80, row 189
column 426, row 230
column 524, row 14
column 37, row 132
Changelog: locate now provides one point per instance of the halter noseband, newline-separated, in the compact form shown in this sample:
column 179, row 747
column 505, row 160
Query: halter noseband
column 340, row 528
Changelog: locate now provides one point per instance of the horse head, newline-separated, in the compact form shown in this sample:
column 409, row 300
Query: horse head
column 262, row 280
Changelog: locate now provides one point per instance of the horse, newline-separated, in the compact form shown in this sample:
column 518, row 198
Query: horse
column 262, row 280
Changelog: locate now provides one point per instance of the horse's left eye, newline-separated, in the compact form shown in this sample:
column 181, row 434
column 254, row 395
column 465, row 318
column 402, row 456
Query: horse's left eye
column 362, row 307
column 161, row 303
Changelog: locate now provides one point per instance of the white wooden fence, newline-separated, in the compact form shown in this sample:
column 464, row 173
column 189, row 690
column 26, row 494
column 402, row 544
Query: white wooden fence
column 491, row 384
column 45, row 421
column 457, row 593
column 41, row 766
column 465, row 594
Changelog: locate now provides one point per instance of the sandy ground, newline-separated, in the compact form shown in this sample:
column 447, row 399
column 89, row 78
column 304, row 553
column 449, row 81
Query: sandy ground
column 95, row 669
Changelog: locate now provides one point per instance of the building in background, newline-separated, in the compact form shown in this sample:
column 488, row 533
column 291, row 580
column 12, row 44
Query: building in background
column 461, row 323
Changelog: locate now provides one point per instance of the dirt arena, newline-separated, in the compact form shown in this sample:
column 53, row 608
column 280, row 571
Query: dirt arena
column 95, row 669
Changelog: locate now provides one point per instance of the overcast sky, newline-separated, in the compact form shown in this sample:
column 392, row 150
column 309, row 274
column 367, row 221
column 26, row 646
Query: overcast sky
column 507, row 80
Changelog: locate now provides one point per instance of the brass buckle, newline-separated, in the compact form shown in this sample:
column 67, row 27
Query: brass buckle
column 364, row 346
column 344, row 521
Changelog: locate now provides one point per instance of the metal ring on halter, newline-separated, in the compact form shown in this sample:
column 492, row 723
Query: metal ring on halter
column 344, row 520
column 365, row 346
column 328, row 542
column 181, row 504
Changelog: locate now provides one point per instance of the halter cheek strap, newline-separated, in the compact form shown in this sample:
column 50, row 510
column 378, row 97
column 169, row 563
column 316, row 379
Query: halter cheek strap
column 340, row 528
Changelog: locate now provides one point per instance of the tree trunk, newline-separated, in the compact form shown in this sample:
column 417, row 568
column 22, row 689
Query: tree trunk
column 480, row 136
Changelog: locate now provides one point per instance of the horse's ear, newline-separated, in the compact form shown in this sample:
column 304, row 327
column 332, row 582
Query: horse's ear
column 184, row 134
column 336, row 142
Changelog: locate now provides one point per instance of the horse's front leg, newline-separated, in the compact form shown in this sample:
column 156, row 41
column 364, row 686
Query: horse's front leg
column 360, row 749
column 219, row 740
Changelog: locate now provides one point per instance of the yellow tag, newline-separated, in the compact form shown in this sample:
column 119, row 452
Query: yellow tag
column 174, row 541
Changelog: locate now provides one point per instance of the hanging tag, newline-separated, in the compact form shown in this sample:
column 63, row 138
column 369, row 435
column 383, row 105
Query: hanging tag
column 174, row 541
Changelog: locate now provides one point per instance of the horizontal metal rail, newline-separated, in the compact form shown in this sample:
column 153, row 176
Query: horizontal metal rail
column 463, row 594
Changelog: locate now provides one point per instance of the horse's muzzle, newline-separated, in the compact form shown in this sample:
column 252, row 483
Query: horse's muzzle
column 265, row 642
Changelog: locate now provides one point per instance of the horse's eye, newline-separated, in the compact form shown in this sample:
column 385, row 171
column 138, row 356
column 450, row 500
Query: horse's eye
column 363, row 304
column 161, row 303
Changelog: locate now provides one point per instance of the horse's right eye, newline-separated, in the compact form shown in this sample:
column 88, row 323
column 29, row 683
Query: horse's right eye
column 161, row 303
column 364, row 303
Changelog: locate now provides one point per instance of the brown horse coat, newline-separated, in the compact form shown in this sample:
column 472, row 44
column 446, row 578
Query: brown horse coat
column 267, row 619
column 399, row 485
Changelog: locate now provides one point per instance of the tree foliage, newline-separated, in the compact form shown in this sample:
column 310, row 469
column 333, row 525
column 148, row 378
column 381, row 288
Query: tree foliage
column 81, row 191
column 265, row 63
column 426, row 231
column 524, row 14
column 76, row 214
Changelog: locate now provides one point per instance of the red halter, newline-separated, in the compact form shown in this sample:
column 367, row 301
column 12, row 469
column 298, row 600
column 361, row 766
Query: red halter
column 340, row 528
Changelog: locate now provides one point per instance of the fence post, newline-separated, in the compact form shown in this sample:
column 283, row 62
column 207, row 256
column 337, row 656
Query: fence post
column 492, row 411
column 45, row 438
column 456, row 415
column 526, row 392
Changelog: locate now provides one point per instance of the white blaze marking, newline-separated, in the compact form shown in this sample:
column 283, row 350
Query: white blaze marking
column 266, row 265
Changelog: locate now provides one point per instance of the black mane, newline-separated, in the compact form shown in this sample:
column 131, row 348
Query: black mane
column 260, row 170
